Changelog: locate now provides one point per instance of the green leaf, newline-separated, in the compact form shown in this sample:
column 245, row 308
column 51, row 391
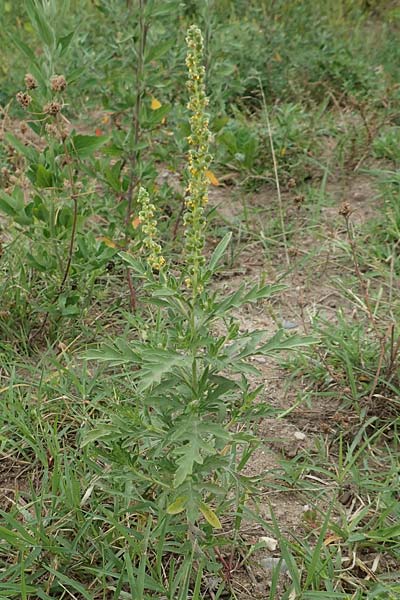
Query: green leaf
column 155, row 364
column 39, row 21
column 64, row 42
column 86, row 145
column 120, row 354
column 156, row 52
column 23, row 219
column 213, row 488
column 7, row 204
column 280, row 341
column 210, row 516
column 135, row 264
column 13, row 539
column 266, row 291
column 16, row 201
column 244, row 346
column 30, row 153
column 154, row 117
column 14, row 206
column 98, row 433
column 219, row 251
column 177, row 506
column 241, row 296
column 385, row 534
column 190, row 455
column 75, row 75
column 44, row 177
column 14, row 590
column 232, row 301
column 15, row 533
column 41, row 594
column 215, row 429
column 160, row 9
column 112, row 175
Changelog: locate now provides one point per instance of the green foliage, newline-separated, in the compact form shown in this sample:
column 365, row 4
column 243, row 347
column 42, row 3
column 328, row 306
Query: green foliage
column 187, row 381
column 135, row 372
column 183, row 390
column 386, row 145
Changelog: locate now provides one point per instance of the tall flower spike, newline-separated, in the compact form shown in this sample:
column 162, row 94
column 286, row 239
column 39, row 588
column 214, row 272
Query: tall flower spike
column 149, row 227
column 199, row 158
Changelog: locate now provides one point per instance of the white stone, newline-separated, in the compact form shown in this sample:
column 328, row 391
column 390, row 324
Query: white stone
column 270, row 543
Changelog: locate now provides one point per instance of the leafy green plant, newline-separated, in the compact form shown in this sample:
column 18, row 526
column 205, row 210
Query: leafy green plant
column 47, row 195
column 239, row 147
column 174, row 442
column 386, row 145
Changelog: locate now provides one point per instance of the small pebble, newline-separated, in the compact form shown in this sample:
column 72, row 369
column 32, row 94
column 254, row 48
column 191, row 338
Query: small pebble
column 299, row 435
column 289, row 325
column 260, row 359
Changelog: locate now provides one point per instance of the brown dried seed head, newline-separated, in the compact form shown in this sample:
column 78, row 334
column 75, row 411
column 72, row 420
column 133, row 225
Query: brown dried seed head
column 66, row 160
column 23, row 127
column 52, row 108
column 345, row 210
column 30, row 82
column 23, row 99
column 51, row 129
column 60, row 133
column 291, row 183
column 58, row 83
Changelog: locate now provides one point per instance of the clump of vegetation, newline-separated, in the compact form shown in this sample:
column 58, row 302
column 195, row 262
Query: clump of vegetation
column 199, row 349
column 180, row 438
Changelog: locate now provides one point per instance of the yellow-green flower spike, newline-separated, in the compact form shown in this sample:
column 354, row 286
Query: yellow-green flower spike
column 199, row 158
column 155, row 259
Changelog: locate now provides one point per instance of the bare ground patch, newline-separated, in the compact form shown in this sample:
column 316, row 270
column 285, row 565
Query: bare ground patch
column 318, row 261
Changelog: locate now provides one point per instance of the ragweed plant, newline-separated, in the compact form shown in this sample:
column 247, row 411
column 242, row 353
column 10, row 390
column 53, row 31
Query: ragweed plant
column 174, row 445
